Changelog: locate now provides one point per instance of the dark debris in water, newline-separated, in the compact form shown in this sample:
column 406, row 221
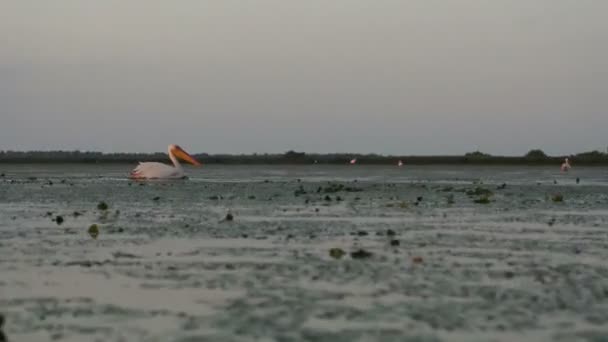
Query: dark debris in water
column 102, row 205
column 229, row 217
column 299, row 191
column 86, row 263
column 58, row 219
column 336, row 187
column 3, row 337
column 119, row 254
column 360, row 254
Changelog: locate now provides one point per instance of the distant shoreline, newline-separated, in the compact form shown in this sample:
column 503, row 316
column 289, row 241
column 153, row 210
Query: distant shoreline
column 534, row 157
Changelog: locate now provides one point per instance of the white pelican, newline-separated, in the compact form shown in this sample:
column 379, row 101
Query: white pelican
column 153, row 170
column 353, row 161
column 566, row 165
column 400, row 163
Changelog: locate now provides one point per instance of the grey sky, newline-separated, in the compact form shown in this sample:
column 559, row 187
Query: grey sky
column 398, row 77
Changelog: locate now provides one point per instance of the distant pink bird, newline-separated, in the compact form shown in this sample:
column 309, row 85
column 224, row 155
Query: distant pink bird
column 353, row 161
column 400, row 163
column 566, row 165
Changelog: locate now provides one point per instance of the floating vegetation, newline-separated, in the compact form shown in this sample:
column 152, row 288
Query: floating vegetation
column 360, row 254
column 93, row 231
column 482, row 200
column 331, row 188
column 336, row 253
column 102, row 205
column 400, row 204
column 557, row 198
column 334, row 187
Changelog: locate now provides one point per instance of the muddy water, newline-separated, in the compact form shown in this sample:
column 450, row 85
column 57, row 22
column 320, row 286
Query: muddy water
column 167, row 266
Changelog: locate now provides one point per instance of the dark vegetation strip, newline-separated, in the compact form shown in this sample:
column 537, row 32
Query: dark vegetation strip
column 291, row 157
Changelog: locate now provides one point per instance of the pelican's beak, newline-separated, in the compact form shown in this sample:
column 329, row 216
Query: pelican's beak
column 183, row 155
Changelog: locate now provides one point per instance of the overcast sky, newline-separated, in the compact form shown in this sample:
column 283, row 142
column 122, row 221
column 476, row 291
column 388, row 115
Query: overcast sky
column 392, row 77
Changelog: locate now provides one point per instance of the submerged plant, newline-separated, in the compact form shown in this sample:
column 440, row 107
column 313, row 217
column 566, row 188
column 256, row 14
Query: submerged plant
column 94, row 231
column 336, row 253
column 483, row 200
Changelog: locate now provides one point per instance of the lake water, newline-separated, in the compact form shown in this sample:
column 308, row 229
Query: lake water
column 439, row 253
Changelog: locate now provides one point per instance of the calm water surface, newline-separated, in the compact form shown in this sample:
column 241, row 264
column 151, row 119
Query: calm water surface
column 454, row 253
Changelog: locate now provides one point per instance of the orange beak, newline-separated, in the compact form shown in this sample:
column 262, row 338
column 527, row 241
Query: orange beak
column 183, row 155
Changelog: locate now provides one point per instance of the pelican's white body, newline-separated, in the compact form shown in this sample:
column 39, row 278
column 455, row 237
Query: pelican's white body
column 151, row 170
column 154, row 170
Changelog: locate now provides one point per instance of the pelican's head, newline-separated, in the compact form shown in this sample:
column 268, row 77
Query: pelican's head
column 183, row 155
